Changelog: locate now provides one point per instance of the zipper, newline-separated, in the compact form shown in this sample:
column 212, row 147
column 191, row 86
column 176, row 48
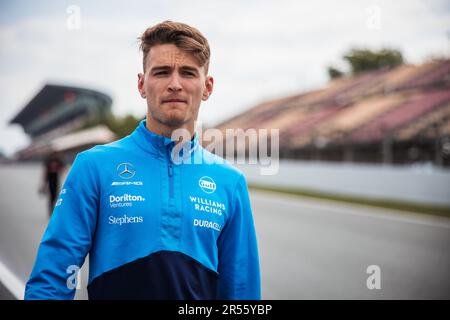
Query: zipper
column 170, row 172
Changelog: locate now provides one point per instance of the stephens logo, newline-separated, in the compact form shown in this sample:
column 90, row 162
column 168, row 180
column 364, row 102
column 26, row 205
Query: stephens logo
column 126, row 170
column 207, row 184
column 125, row 220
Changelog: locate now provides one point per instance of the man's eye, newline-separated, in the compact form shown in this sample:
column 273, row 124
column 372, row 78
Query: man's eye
column 159, row 73
column 188, row 73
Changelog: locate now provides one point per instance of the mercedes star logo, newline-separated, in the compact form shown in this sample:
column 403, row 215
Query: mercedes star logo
column 126, row 170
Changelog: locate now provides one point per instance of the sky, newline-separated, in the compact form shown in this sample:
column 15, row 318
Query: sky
column 260, row 50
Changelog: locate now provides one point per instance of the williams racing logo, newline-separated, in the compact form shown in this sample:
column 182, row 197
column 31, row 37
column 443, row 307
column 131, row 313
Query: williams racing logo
column 207, row 184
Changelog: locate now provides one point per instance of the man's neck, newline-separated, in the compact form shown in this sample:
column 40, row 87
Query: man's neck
column 166, row 131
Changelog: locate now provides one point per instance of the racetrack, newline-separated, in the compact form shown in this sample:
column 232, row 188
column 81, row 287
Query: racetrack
column 321, row 250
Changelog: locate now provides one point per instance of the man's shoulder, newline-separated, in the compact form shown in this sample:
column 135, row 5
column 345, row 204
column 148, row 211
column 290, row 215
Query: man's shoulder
column 107, row 150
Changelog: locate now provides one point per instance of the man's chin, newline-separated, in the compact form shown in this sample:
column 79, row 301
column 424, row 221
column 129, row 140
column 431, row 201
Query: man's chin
column 174, row 121
column 171, row 118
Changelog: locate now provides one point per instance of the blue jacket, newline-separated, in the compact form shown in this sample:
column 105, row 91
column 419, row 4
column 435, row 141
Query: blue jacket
column 154, row 228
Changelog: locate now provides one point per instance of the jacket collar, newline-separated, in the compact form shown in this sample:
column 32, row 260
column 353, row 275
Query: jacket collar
column 154, row 143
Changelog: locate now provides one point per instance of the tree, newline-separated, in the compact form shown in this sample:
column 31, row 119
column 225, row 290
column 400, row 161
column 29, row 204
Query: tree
column 122, row 126
column 361, row 60
column 334, row 73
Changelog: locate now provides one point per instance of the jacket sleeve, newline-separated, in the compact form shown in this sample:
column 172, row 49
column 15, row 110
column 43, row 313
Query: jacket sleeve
column 68, row 236
column 239, row 276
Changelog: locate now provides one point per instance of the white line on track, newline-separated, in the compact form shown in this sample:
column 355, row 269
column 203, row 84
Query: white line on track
column 11, row 282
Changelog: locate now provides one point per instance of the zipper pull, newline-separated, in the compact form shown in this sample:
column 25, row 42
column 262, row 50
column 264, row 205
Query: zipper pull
column 170, row 169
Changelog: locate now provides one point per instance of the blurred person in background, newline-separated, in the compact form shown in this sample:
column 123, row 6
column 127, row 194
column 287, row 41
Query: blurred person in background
column 154, row 228
column 50, row 185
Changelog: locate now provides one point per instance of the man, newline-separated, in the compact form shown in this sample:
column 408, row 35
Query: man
column 154, row 228
column 53, row 166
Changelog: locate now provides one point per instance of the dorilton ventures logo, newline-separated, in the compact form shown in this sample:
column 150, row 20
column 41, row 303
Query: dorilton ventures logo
column 126, row 170
column 125, row 197
column 207, row 184
column 125, row 200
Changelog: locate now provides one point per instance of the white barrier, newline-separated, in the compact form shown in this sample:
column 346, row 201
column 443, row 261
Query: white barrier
column 419, row 184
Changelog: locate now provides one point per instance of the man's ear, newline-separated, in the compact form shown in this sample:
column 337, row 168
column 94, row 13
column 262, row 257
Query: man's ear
column 141, row 85
column 209, row 85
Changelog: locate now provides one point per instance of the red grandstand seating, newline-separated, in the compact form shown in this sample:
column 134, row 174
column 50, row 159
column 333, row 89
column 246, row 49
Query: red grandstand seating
column 308, row 124
column 429, row 77
column 390, row 121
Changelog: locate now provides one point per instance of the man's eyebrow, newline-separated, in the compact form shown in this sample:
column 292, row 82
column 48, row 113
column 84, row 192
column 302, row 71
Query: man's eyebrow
column 189, row 68
column 167, row 67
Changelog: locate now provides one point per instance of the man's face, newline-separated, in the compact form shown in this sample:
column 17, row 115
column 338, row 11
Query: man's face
column 174, row 85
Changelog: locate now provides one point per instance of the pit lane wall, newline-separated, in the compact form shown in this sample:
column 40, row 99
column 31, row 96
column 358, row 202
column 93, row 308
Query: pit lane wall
column 422, row 184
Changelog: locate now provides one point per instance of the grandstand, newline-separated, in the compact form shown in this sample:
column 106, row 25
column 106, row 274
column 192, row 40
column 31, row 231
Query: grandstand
column 399, row 115
column 63, row 119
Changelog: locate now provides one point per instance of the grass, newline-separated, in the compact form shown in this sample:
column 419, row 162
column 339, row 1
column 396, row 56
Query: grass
column 382, row 203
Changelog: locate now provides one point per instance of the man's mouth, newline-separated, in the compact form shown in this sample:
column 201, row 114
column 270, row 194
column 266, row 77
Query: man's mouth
column 174, row 101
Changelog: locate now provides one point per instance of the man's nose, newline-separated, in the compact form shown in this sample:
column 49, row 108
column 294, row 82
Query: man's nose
column 174, row 84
